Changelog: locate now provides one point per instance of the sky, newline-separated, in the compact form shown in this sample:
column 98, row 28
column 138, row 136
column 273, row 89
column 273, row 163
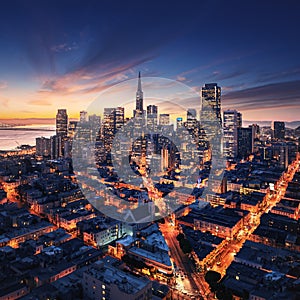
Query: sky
column 62, row 54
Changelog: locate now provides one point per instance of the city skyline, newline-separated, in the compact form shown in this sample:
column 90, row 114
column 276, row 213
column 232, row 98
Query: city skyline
column 149, row 150
column 165, row 104
column 88, row 215
column 70, row 53
column 161, row 107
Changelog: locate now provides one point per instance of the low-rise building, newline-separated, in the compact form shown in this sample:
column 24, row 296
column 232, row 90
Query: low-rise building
column 158, row 259
column 223, row 222
column 69, row 221
column 105, row 280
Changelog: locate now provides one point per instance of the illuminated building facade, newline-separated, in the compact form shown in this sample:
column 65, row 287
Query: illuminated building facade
column 232, row 121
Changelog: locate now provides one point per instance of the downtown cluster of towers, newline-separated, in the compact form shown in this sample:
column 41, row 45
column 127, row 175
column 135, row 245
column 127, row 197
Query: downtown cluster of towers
column 60, row 144
column 238, row 142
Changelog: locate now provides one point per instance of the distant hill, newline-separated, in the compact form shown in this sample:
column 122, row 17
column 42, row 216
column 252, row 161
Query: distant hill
column 293, row 124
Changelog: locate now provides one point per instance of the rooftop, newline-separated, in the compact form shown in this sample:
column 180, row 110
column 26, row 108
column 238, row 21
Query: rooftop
column 158, row 256
column 157, row 240
column 106, row 271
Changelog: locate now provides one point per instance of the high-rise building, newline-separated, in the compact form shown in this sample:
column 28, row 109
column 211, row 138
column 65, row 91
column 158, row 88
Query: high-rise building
column 43, row 146
column 164, row 119
column 279, row 130
column 94, row 119
column 211, row 93
column 113, row 119
column 232, row 121
column 256, row 130
column 179, row 122
column 139, row 102
column 62, row 123
column 164, row 159
column 108, row 127
column 118, row 118
column 191, row 119
column 280, row 152
column 245, row 142
column 192, row 124
column 95, row 124
column 152, row 109
column 240, row 119
column 68, row 148
column 152, row 117
column 83, row 116
column 72, row 128
column 57, row 142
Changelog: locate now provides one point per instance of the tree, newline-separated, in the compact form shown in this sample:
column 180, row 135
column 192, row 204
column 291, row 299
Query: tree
column 180, row 236
column 223, row 293
column 185, row 246
column 212, row 278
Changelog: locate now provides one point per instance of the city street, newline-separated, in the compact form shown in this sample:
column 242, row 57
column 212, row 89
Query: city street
column 191, row 283
column 228, row 253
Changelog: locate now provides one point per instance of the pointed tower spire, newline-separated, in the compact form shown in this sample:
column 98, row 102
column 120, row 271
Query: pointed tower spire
column 139, row 95
column 139, row 82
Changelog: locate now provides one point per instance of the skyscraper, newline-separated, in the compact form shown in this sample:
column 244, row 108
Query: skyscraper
column 118, row 118
column 95, row 124
column 256, row 130
column 72, row 129
column 43, row 146
column 211, row 93
column 152, row 117
column 232, row 121
column 108, row 128
column 62, row 123
column 239, row 119
column 83, row 116
column 164, row 119
column 192, row 124
column 245, row 142
column 113, row 119
column 191, row 118
column 164, row 158
column 179, row 122
column 56, row 144
column 139, row 105
column 279, row 130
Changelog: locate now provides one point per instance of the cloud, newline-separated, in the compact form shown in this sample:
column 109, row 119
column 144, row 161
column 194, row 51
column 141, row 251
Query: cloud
column 27, row 111
column 65, row 47
column 180, row 78
column 233, row 87
column 88, row 82
column 219, row 75
column 281, row 75
column 269, row 96
column 4, row 102
column 3, row 84
column 39, row 102
column 219, row 62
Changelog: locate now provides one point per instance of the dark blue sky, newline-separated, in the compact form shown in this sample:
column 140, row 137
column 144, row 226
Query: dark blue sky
column 55, row 52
